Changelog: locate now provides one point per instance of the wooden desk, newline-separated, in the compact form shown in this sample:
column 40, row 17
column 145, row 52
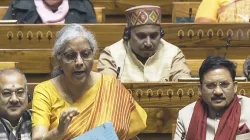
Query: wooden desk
column 162, row 101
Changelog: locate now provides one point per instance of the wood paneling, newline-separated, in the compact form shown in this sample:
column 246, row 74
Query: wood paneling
column 162, row 101
column 181, row 35
column 194, row 65
column 6, row 65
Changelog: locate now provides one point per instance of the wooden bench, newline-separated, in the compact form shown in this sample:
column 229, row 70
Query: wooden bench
column 39, row 70
column 39, row 61
column 100, row 13
column 7, row 65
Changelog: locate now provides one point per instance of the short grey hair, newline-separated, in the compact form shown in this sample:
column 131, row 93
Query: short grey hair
column 67, row 33
column 11, row 71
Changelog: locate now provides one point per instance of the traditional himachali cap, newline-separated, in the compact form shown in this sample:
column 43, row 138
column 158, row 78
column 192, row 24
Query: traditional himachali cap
column 144, row 14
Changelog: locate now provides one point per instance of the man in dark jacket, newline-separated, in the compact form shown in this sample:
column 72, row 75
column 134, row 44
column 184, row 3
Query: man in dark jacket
column 51, row 11
column 15, row 119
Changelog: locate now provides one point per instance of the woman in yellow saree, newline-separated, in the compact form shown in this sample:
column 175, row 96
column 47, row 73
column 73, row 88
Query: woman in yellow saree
column 76, row 99
column 223, row 11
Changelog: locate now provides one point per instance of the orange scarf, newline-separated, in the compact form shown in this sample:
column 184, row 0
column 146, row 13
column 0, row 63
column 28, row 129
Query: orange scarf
column 113, row 102
column 228, row 125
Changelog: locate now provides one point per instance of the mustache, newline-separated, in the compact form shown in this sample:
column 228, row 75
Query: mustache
column 218, row 98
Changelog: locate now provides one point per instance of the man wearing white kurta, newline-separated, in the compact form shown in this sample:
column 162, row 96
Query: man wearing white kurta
column 142, row 55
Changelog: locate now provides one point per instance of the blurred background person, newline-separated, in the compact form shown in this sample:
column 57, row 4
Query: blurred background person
column 223, row 11
column 51, row 11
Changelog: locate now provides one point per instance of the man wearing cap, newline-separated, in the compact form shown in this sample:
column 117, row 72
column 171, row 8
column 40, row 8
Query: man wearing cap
column 142, row 55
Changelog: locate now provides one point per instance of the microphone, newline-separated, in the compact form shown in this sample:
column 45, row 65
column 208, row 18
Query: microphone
column 190, row 14
column 118, row 72
column 227, row 46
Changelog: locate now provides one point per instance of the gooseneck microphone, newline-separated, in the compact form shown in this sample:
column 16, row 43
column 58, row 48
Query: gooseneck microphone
column 190, row 14
column 227, row 46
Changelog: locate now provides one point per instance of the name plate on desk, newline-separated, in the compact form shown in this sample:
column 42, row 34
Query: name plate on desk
column 196, row 79
column 105, row 131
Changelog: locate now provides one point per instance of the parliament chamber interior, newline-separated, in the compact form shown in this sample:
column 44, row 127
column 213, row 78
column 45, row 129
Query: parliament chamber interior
column 28, row 47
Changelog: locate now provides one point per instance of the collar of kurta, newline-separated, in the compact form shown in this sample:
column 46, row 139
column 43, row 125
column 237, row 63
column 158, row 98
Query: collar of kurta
column 149, row 61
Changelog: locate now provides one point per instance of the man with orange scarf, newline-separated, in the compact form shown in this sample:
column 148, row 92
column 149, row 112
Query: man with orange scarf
column 219, row 114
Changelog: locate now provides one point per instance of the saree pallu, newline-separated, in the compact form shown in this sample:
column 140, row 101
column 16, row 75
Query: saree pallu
column 112, row 102
column 236, row 11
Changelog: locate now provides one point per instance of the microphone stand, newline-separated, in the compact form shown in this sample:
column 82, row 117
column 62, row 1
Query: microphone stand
column 190, row 14
column 227, row 46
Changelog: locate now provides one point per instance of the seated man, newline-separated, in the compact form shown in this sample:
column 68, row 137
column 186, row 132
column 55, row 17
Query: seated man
column 246, row 68
column 51, row 11
column 15, row 120
column 142, row 56
column 222, row 11
column 219, row 114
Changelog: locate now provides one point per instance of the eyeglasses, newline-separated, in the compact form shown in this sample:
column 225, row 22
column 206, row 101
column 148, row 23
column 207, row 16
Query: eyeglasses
column 8, row 93
column 72, row 56
column 222, row 84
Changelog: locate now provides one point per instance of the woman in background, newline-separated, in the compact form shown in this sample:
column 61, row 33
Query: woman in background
column 51, row 11
column 223, row 11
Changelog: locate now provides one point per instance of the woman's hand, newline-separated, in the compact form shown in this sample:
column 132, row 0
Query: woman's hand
column 65, row 120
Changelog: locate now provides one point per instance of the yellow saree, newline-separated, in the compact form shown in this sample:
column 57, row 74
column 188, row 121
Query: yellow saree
column 106, row 100
column 224, row 11
column 235, row 12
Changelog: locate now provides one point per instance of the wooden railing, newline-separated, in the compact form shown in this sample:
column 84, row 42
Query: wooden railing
column 31, row 45
column 162, row 101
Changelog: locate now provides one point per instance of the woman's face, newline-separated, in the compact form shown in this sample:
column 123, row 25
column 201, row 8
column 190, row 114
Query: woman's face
column 77, row 60
column 53, row 4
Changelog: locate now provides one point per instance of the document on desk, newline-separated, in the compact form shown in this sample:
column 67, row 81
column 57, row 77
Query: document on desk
column 105, row 131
